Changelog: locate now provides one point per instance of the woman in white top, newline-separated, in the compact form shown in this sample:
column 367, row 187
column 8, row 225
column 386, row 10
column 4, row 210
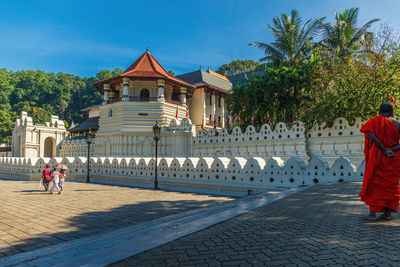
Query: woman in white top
column 56, row 181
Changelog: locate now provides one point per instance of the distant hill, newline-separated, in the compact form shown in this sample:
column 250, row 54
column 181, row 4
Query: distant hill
column 42, row 94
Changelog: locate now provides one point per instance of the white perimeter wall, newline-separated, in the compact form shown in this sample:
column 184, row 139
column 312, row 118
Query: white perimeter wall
column 284, row 140
column 220, row 175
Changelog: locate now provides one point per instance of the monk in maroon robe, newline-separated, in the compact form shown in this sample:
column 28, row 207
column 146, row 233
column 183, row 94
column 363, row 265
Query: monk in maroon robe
column 380, row 190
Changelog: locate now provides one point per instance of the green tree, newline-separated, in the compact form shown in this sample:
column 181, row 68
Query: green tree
column 6, row 125
column 293, row 40
column 279, row 92
column 343, row 35
column 237, row 66
column 354, row 86
column 42, row 94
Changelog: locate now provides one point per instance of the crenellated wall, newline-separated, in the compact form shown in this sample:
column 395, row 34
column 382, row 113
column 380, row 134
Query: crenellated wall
column 220, row 175
column 76, row 147
column 284, row 141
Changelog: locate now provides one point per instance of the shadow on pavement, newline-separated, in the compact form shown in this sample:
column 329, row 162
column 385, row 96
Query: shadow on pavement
column 322, row 225
column 100, row 222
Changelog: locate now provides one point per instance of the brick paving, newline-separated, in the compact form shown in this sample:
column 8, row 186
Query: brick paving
column 31, row 218
column 320, row 226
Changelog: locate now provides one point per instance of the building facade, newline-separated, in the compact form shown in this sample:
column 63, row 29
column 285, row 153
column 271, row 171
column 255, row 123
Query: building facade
column 37, row 140
column 192, row 111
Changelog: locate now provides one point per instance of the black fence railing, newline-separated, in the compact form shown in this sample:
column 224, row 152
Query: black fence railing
column 5, row 149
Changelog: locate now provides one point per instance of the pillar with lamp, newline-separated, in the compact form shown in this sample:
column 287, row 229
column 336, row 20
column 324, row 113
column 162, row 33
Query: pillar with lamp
column 89, row 140
column 156, row 133
column 8, row 148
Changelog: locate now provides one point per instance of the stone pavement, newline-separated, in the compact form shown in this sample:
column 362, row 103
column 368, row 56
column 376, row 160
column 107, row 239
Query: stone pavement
column 320, row 226
column 32, row 219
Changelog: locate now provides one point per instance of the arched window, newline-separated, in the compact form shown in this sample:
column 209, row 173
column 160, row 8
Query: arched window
column 144, row 95
column 110, row 112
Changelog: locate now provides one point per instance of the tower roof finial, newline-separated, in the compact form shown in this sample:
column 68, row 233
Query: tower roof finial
column 147, row 48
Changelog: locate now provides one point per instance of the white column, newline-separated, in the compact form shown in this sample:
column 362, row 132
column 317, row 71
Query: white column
column 106, row 87
column 130, row 88
column 125, row 92
column 223, row 111
column 183, row 95
column 160, row 89
column 204, row 106
column 213, row 108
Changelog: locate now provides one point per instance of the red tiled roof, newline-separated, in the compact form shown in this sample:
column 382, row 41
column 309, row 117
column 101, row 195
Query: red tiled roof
column 147, row 67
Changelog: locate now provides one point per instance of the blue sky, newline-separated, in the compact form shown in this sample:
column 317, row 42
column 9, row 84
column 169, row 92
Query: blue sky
column 84, row 37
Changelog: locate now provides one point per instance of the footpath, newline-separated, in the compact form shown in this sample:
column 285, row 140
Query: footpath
column 320, row 226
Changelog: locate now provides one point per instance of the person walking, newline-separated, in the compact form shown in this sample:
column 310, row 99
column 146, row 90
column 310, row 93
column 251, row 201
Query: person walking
column 46, row 177
column 63, row 174
column 56, row 181
column 380, row 190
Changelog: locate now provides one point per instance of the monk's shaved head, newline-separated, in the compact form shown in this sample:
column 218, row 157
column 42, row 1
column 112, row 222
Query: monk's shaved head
column 386, row 108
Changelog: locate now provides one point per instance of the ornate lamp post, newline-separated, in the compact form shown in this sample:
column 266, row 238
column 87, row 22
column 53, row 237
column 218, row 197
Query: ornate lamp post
column 89, row 140
column 8, row 147
column 156, row 132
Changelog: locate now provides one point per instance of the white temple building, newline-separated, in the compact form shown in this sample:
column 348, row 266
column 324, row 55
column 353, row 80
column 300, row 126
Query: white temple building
column 196, row 151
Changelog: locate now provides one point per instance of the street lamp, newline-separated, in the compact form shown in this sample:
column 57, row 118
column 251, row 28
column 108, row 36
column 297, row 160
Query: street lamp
column 156, row 133
column 89, row 140
column 8, row 147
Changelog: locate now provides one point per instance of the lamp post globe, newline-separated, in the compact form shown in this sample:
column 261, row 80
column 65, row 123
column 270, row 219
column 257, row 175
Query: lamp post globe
column 156, row 133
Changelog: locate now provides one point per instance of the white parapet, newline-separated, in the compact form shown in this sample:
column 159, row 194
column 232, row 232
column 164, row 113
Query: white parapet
column 221, row 175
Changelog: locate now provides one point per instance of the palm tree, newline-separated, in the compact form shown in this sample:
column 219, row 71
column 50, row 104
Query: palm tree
column 343, row 35
column 292, row 42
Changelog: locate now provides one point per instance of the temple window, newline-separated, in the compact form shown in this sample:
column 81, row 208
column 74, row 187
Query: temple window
column 110, row 112
column 175, row 94
column 144, row 95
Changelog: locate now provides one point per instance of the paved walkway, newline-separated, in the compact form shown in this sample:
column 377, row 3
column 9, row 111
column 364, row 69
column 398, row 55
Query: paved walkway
column 320, row 226
column 32, row 219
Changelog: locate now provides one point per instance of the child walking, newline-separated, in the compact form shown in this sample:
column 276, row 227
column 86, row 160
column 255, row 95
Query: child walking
column 63, row 174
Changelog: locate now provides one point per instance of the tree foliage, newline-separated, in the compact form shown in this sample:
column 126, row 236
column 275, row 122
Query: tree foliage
column 279, row 92
column 238, row 66
column 343, row 36
column 292, row 40
column 329, row 85
column 349, row 73
column 353, row 86
column 42, row 94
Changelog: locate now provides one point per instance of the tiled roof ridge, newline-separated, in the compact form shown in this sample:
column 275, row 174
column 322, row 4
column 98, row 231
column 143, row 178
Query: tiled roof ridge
column 216, row 74
column 152, row 63
column 147, row 64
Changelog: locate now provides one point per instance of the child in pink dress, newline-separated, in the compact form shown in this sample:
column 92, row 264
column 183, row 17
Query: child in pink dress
column 63, row 174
